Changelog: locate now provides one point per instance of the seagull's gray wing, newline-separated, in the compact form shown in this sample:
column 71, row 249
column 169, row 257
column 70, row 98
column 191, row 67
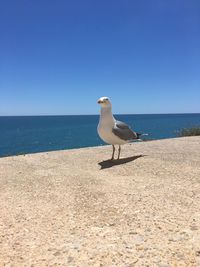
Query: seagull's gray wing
column 123, row 131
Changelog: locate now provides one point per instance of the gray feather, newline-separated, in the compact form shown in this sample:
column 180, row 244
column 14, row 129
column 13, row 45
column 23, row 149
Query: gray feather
column 122, row 125
column 123, row 131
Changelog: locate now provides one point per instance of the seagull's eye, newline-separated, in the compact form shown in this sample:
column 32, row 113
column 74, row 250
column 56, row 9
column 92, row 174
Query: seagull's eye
column 106, row 99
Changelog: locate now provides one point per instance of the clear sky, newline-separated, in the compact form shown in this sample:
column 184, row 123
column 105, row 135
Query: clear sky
column 59, row 57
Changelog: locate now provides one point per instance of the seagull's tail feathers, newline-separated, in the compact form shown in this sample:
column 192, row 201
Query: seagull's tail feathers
column 139, row 135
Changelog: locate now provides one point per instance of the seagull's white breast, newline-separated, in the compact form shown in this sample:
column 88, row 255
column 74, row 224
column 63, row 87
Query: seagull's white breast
column 105, row 132
column 108, row 136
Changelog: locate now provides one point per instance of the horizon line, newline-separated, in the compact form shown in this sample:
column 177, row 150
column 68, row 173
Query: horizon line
column 51, row 115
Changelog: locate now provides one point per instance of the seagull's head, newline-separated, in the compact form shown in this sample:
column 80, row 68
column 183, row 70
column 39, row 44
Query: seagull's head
column 104, row 102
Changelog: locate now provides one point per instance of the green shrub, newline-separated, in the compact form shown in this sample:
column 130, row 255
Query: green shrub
column 194, row 131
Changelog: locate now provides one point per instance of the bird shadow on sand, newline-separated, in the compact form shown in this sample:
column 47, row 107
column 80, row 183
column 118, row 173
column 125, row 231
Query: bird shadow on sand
column 110, row 163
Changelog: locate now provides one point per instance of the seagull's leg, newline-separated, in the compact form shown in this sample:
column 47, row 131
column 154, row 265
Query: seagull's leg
column 113, row 152
column 119, row 150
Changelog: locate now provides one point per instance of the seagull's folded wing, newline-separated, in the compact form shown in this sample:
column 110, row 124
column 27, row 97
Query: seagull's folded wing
column 123, row 131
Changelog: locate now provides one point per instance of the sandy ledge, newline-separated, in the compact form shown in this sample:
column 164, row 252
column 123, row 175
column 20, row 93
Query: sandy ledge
column 64, row 209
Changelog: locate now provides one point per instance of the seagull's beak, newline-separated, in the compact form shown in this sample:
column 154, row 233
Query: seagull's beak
column 99, row 101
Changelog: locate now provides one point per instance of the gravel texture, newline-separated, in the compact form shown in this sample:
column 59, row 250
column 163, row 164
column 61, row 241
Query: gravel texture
column 76, row 208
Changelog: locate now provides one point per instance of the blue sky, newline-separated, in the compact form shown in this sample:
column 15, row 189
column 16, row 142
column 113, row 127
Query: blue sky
column 59, row 57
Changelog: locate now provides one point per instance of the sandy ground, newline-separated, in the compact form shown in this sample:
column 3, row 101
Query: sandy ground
column 74, row 208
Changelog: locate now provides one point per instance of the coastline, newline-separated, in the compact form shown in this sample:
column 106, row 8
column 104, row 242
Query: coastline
column 76, row 208
column 26, row 134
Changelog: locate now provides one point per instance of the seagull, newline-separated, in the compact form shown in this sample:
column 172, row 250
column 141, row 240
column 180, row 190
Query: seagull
column 110, row 130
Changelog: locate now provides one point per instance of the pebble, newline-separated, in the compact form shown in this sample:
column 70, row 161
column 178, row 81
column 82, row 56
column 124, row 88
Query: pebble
column 133, row 233
column 57, row 253
column 70, row 259
column 138, row 240
column 194, row 227
column 197, row 253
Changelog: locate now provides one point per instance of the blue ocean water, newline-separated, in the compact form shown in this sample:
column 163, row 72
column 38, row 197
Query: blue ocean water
column 30, row 134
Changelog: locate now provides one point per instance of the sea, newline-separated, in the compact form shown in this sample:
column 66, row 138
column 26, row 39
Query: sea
column 31, row 134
